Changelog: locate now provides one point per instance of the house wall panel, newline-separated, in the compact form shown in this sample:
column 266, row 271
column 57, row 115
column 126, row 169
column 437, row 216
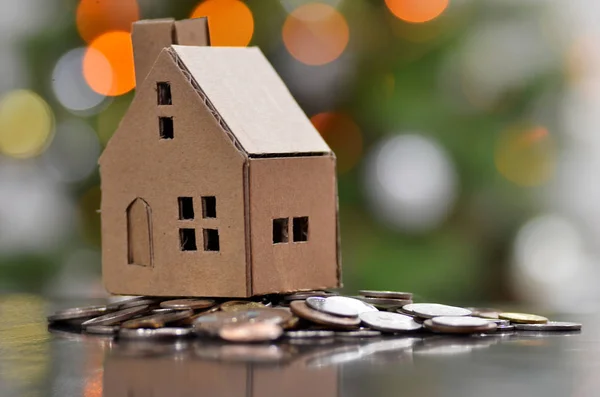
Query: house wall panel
column 200, row 161
column 286, row 188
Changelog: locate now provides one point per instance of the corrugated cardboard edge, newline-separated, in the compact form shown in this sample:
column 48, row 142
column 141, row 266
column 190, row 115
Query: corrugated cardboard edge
column 206, row 100
column 339, row 237
column 247, row 223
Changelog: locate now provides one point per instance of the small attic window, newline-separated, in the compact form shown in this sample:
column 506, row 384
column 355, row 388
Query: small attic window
column 163, row 92
column 165, row 127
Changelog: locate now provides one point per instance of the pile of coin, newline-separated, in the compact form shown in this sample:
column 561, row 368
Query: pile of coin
column 297, row 316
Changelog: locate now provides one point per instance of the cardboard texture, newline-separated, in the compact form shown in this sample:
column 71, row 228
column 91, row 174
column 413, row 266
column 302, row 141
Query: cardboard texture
column 139, row 233
column 211, row 155
column 149, row 37
column 290, row 188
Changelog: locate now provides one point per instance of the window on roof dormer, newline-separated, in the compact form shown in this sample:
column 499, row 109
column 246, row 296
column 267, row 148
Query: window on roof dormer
column 163, row 92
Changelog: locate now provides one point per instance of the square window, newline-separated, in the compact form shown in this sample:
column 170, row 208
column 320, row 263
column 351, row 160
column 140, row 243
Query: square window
column 211, row 240
column 165, row 126
column 187, row 239
column 186, row 208
column 209, row 207
column 163, row 92
column 301, row 228
column 280, row 230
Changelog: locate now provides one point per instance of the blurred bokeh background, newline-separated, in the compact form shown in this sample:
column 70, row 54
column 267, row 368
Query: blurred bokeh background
column 466, row 133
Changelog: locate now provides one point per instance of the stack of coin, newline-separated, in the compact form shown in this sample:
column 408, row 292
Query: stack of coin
column 296, row 317
column 386, row 300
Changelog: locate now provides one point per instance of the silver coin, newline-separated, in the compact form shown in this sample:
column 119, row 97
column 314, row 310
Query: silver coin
column 429, row 310
column 464, row 321
column 78, row 313
column 456, row 329
column 151, row 333
column 102, row 329
column 309, row 334
column 386, row 294
column 116, row 317
column 132, row 302
column 361, row 333
column 389, row 322
column 340, row 306
column 161, row 310
column 549, row 326
column 504, row 328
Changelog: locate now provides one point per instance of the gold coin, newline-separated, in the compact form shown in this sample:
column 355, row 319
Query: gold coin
column 523, row 318
column 237, row 306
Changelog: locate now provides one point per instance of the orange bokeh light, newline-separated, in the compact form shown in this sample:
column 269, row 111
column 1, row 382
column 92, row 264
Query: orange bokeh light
column 417, row 11
column 343, row 135
column 315, row 33
column 108, row 64
column 95, row 17
column 230, row 21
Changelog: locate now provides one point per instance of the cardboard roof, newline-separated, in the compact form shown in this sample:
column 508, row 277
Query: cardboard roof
column 252, row 100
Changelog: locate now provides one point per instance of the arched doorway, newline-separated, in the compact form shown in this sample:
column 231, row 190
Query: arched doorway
column 139, row 233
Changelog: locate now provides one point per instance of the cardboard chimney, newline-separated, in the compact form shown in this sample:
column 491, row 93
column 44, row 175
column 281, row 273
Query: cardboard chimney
column 215, row 183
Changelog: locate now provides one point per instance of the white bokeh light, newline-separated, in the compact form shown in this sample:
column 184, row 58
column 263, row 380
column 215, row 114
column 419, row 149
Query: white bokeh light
column 74, row 152
column 411, row 183
column 70, row 87
column 502, row 56
column 35, row 213
column 551, row 263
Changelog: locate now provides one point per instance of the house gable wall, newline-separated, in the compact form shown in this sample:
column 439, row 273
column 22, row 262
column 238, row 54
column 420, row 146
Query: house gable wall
column 199, row 161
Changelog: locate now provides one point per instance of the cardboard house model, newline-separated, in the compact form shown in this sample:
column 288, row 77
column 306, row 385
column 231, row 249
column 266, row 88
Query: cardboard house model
column 215, row 183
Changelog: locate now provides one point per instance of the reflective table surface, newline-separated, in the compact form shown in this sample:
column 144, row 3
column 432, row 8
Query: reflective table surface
column 37, row 362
